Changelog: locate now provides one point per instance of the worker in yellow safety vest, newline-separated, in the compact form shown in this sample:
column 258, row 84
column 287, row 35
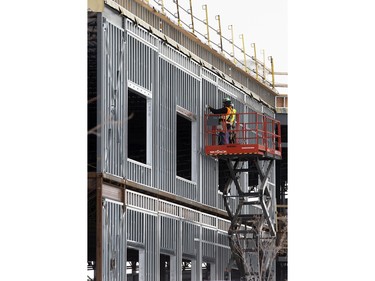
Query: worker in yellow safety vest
column 232, row 122
column 227, row 112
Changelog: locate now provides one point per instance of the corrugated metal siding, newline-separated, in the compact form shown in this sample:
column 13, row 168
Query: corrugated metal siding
column 223, row 255
column 178, row 58
column 189, row 233
column 208, row 249
column 139, row 63
column 166, row 127
column 151, row 247
column 112, row 113
column 169, row 234
column 114, row 242
column 187, row 91
column 141, row 33
column 187, row 188
column 209, row 173
column 135, row 226
column 139, row 172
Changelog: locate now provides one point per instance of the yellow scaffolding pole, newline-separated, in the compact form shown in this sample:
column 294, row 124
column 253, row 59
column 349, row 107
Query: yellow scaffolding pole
column 230, row 27
column 178, row 12
column 264, row 64
column 192, row 17
column 162, row 6
column 204, row 7
column 272, row 71
column 255, row 60
column 219, row 32
column 243, row 50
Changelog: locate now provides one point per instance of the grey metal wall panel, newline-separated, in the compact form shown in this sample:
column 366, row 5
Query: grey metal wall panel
column 209, row 171
column 139, row 172
column 178, row 58
column 112, row 103
column 189, row 233
column 223, row 255
column 142, row 33
column 268, row 111
column 186, row 188
column 139, row 63
column 151, row 247
column 169, row 234
column 187, row 91
column 166, row 127
column 235, row 92
column 208, row 248
column 135, row 226
column 114, row 242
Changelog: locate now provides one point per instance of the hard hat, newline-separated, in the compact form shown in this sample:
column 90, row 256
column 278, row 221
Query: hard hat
column 227, row 101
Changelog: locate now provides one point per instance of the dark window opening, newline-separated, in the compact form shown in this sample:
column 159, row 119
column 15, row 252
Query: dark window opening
column 253, row 174
column 132, row 265
column 183, row 147
column 137, row 127
column 186, row 270
column 165, row 267
column 235, row 275
column 206, row 271
column 224, row 174
column 284, row 133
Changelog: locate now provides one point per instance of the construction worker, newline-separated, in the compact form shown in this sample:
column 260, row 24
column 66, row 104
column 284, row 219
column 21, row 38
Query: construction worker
column 226, row 111
column 232, row 122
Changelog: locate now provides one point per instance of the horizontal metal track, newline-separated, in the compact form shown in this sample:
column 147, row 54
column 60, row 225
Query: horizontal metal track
column 114, row 187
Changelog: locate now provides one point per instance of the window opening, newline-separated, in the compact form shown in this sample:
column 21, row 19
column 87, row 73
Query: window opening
column 235, row 275
column 132, row 265
column 165, row 267
column 206, row 271
column 224, row 174
column 186, row 270
column 137, row 127
column 183, row 147
column 253, row 174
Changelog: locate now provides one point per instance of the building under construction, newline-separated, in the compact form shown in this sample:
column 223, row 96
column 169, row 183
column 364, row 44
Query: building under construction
column 166, row 201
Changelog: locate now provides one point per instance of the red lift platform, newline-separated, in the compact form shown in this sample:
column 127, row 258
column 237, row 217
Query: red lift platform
column 257, row 139
column 255, row 134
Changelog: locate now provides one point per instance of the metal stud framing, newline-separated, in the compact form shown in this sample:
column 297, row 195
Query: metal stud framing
column 130, row 56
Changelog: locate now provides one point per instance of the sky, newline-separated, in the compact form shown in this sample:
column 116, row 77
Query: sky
column 329, row 59
column 263, row 22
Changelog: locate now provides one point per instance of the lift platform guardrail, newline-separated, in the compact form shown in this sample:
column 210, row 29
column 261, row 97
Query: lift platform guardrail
column 253, row 133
